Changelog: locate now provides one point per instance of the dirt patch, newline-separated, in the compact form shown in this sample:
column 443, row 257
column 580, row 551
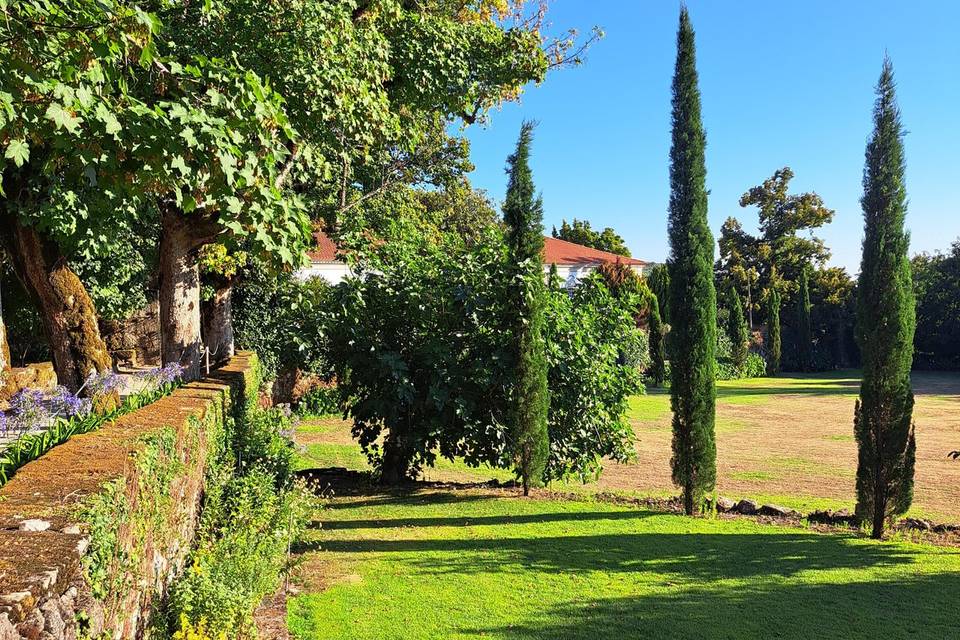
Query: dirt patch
column 782, row 438
column 801, row 444
column 271, row 617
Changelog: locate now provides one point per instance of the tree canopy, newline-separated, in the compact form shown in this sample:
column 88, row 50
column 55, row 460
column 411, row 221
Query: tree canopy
column 580, row 232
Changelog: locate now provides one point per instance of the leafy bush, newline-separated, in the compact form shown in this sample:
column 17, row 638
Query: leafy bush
column 596, row 356
column 280, row 318
column 253, row 511
column 246, row 530
column 320, row 401
column 424, row 369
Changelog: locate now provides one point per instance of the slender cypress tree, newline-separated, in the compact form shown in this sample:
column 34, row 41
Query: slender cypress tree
column 693, row 300
column 804, row 337
column 658, row 356
column 737, row 328
column 523, row 214
column 886, row 322
column 659, row 282
column 773, row 332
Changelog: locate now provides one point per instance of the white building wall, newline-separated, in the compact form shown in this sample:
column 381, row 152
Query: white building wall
column 332, row 272
column 571, row 274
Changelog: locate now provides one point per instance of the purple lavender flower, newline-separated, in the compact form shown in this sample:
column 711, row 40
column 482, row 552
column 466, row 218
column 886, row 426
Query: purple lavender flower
column 28, row 411
column 67, row 404
column 152, row 379
column 4, row 423
column 171, row 372
column 102, row 384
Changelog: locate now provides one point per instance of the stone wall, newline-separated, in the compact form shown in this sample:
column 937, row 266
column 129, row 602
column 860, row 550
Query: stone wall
column 136, row 340
column 93, row 532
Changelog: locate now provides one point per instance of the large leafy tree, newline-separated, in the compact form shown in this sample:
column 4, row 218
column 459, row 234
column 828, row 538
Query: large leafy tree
column 693, row 298
column 62, row 71
column 371, row 86
column 937, row 286
column 117, row 133
column 886, row 321
column 580, row 232
column 785, row 242
column 523, row 215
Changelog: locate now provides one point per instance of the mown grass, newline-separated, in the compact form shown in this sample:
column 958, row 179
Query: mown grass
column 463, row 565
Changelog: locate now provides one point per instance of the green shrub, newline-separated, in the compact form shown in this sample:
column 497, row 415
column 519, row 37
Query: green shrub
column 279, row 318
column 320, row 401
column 252, row 513
column 245, row 534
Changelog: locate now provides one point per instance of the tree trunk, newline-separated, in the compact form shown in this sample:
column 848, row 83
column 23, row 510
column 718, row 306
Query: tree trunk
column 69, row 318
column 181, row 237
column 395, row 466
column 218, row 322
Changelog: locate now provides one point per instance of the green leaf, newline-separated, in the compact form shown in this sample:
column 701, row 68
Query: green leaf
column 62, row 118
column 18, row 151
column 109, row 120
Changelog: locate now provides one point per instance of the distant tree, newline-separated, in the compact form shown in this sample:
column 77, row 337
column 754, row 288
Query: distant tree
column 580, row 232
column 832, row 317
column 802, row 332
column 886, row 321
column 658, row 356
column 936, row 281
column 659, row 282
column 523, row 214
column 692, row 295
column 785, row 241
column 737, row 328
column 774, row 346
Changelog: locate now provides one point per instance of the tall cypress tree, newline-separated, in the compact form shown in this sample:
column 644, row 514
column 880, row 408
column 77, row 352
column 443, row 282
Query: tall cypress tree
column 773, row 332
column 886, row 322
column 658, row 356
column 804, row 336
column 737, row 328
column 523, row 214
column 693, row 300
column 659, row 282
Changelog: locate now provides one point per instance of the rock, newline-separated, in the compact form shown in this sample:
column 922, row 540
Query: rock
column 7, row 630
column 746, row 507
column 823, row 517
column 52, row 620
column 917, row 524
column 32, row 627
column 34, row 525
column 725, row 504
column 776, row 511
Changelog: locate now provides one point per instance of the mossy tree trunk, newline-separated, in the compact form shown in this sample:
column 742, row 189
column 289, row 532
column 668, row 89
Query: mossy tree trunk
column 4, row 347
column 181, row 237
column 69, row 317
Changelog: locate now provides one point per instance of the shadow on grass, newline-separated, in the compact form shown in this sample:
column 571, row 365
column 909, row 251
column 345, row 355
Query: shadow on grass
column 406, row 498
column 918, row 607
column 477, row 521
column 684, row 556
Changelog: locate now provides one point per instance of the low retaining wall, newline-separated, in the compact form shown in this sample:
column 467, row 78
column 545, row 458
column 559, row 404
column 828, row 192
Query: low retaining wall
column 93, row 532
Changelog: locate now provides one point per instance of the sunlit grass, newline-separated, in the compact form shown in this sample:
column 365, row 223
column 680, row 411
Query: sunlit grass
column 468, row 565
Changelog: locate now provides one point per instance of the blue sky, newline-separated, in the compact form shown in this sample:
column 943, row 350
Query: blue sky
column 782, row 83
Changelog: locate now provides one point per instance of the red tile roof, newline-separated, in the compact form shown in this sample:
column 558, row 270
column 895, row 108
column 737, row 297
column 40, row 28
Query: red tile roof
column 557, row 251
column 324, row 250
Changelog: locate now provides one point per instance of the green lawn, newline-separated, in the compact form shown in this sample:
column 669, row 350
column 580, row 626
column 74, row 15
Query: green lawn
column 480, row 565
